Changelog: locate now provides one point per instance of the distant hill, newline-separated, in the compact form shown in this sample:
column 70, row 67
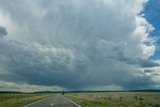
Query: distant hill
column 43, row 92
column 9, row 92
column 47, row 92
column 148, row 90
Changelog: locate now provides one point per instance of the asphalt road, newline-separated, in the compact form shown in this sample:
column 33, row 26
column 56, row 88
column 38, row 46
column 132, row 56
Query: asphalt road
column 53, row 101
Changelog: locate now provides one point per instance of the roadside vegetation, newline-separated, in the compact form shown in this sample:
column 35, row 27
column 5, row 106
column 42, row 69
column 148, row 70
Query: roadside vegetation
column 16, row 100
column 116, row 99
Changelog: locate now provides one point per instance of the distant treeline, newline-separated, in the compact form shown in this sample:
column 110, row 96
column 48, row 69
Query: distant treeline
column 10, row 92
column 45, row 92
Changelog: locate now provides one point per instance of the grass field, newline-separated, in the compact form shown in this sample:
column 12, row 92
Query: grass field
column 117, row 99
column 99, row 99
column 15, row 100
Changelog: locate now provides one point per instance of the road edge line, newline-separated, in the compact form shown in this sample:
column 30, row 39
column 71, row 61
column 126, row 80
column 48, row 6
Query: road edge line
column 34, row 102
column 73, row 102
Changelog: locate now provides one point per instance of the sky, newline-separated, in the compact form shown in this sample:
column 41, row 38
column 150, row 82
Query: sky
column 83, row 45
column 152, row 15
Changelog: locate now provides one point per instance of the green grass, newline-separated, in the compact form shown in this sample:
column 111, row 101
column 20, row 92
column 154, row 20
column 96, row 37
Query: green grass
column 14, row 100
column 117, row 99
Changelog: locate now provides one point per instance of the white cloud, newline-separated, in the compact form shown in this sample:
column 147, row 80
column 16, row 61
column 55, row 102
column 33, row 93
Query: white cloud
column 153, row 73
column 104, row 88
column 24, row 87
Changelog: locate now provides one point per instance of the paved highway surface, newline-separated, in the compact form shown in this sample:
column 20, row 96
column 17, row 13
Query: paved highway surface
column 53, row 101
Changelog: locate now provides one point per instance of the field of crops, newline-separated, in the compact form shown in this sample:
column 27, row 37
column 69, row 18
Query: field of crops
column 117, row 99
column 14, row 100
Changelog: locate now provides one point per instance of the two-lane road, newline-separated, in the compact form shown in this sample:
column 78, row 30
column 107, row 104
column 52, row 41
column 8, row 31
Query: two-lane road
column 53, row 101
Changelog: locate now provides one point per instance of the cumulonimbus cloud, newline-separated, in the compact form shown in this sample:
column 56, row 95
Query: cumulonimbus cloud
column 75, row 44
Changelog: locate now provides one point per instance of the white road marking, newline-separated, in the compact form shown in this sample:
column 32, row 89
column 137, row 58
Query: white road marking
column 34, row 102
column 54, row 99
column 52, row 103
column 73, row 102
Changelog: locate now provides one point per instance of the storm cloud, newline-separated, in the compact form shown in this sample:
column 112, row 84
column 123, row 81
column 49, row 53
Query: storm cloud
column 3, row 31
column 75, row 45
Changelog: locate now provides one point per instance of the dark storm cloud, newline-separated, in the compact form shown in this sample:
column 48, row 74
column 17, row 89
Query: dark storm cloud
column 142, row 63
column 40, row 68
column 140, row 83
column 148, row 71
column 148, row 64
column 3, row 31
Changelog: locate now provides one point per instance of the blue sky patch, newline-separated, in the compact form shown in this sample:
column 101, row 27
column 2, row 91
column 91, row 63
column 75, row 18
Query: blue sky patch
column 152, row 14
